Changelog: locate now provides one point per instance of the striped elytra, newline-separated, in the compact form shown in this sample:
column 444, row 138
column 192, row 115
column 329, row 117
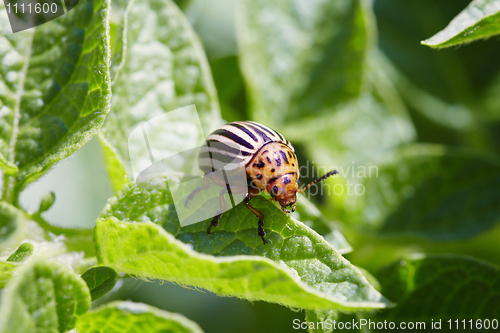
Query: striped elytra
column 267, row 157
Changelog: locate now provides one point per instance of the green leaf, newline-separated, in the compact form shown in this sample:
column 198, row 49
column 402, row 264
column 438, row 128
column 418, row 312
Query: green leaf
column 321, row 321
column 9, row 267
column 43, row 297
column 441, row 287
column 46, row 202
column 455, row 75
column 129, row 317
column 114, row 166
column 12, row 221
column 100, row 280
column 159, row 73
column 308, row 213
column 299, row 58
column 230, row 88
column 357, row 132
column 298, row 269
column 352, row 136
column 55, row 90
column 481, row 19
column 182, row 4
column 23, row 252
column 7, row 270
column 7, row 167
column 430, row 192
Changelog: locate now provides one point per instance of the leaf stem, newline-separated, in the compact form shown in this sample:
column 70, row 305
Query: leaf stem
column 59, row 230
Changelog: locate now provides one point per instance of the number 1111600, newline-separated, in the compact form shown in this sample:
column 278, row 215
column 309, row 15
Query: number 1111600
column 37, row 8
column 473, row 324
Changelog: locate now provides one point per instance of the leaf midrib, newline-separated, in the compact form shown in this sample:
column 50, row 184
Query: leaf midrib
column 9, row 186
column 47, row 107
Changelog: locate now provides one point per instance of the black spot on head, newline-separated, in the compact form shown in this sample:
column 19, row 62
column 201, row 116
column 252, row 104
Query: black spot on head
column 273, row 169
column 259, row 176
column 260, row 165
column 268, row 159
column 275, row 190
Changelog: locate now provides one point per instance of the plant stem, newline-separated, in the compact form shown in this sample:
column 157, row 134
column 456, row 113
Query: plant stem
column 60, row 230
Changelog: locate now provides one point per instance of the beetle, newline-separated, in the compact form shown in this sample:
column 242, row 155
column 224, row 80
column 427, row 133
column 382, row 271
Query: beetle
column 269, row 161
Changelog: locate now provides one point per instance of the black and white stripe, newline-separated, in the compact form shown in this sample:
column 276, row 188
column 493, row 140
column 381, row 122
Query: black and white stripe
column 234, row 144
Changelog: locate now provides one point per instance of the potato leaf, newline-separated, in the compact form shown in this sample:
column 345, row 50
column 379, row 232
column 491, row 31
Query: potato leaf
column 430, row 192
column 7, row 270
column 100, row 280
column 162, row 68
column 298, row 268
column 12, row 221
column 129, row 317
column 480, row 20
column 23, row 252
column 300, row 57
column 441, row 286
column 43, row 297
column 54, row 90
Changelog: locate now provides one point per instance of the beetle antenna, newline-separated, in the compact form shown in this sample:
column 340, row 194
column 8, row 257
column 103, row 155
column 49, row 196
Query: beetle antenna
column 325, row 176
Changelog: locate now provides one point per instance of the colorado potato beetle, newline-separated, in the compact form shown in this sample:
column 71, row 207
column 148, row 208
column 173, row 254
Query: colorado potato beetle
column 268, row 159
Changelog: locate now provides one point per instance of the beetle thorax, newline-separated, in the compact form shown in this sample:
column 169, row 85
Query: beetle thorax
column 275, row 164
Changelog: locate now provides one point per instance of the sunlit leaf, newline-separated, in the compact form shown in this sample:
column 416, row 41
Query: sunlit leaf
column 23, row 252
column 298, row 268
column 454, row 75
column 115, row 167
column 43, row 297
column 162, row 68
column 308, row 213
column 54, row 90
column 480, row 20
column 129, row 317
column 7, row 270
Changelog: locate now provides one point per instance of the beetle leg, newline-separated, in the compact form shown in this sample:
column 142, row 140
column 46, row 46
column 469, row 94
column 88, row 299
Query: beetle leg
column 204, row 186
column 259, row 214
column 215, row 221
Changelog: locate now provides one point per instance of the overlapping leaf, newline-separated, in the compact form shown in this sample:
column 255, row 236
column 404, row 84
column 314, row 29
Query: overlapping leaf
column 158, row 66
column 12, row 221
column 43, row 297
column 54, row 90
column 300, row 57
